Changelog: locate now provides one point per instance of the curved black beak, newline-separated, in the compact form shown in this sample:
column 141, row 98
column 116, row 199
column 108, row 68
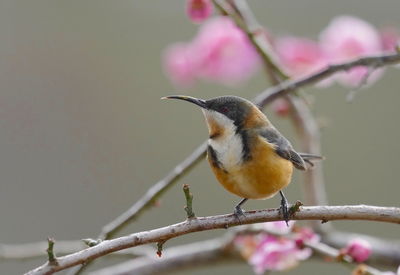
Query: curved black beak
column 197, row 101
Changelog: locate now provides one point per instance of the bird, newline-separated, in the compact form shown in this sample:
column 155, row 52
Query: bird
column 247, row 154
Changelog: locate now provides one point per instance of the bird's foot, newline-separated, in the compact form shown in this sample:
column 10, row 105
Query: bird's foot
column 284, row 209
column 238, row 212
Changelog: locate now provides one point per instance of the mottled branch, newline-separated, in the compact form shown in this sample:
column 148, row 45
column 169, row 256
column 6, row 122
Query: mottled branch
column 325, row 213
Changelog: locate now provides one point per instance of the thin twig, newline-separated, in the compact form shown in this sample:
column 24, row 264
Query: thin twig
column 288, row 86
column 38, row 249
column 35, row 250
column 325, row 213
column 176, row 259
column 52, row 259
column 189, row 201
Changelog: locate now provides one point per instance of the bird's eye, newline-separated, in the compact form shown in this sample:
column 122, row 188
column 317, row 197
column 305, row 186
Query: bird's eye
column 224, row 109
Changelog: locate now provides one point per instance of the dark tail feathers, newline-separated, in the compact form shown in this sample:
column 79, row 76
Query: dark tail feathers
column 310, row 157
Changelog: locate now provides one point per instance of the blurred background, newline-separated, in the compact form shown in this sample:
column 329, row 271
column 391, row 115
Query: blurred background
column 83, row 133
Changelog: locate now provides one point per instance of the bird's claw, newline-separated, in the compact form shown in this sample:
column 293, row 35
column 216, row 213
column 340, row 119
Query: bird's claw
column 238, row 212
column 285, row 210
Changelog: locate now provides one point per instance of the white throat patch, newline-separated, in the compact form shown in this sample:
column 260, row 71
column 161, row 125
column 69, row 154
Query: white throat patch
column 229, row 146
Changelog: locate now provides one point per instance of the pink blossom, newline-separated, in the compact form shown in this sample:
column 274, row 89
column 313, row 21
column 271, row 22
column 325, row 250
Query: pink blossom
column 278, row 227
column 198, row 10
column 281, row 107
column 220, row 52
column 179, row 64
column 347, row 38
column 300, row 56
column 277, row 254
column 390, row 38
column 224, row 52
column 358, row 249
column 305, row 234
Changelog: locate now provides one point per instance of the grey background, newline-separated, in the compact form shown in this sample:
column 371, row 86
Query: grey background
column 83, row 133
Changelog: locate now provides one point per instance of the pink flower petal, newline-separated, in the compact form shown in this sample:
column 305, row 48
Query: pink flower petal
column 300, row 56
column 347, row 38
column 198, row 10
column 224, row 53
column 279, row 227
column 358, row 249
column 220, row 52
column 178, row 64
column 277, row 254
column 390, row 38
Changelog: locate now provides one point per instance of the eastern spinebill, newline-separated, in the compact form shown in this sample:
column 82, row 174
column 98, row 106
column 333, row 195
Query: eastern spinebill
column 247, row 154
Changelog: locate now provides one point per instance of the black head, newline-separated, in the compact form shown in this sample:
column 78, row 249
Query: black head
column 233, row 107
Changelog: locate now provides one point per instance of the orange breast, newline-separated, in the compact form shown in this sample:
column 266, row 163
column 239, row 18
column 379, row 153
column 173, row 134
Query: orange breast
column 260, row 177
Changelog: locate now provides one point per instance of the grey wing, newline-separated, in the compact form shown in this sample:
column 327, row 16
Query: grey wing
column 283, row 147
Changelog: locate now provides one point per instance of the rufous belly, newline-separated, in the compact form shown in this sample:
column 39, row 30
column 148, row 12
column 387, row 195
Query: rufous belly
column 261, row 177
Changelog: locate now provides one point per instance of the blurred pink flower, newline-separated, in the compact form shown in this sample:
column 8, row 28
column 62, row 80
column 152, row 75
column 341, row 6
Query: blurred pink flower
column 277, row 254
column 198, row 10
column 390, row 38
column 358, row 249
column 281, row 107
column 224, row 52
column 278, row 227
column 220, row 52
column 179, row 64
column 300, row 56
column 305, row 234
column 346, row 38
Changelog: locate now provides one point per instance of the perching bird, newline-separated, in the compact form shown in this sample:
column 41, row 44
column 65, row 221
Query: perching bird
column 247, row 154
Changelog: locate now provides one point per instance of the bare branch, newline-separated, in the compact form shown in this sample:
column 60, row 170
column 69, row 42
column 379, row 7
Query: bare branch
column 325, row 213
column 287, row 86
column 176, row 258
column 38, row 249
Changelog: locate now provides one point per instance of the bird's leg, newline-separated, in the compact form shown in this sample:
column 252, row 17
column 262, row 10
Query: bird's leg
column 238, row 210
column 284, row 208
